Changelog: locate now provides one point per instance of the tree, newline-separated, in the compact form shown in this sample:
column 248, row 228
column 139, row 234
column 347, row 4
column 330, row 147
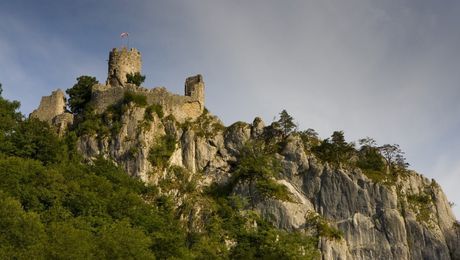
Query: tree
column 367, row 142
column 9, row 120
column 369, row 157
column 37, row 140
column 80, row 93
column 335, row 150
column 135, row 78
column 394, row 156
column 310, row 138
column 286, row 122
column 258, row 168
column 23, row 234
column 122, row 241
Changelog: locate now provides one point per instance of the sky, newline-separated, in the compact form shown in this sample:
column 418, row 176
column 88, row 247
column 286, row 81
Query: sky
column 384, row 69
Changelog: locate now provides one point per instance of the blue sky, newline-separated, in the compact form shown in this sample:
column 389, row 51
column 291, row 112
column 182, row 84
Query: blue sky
column 385, row 69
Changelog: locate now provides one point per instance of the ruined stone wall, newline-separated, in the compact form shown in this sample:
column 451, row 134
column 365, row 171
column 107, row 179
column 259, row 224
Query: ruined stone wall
column 194, row 87
column 122, row 62
column 50, row 106
column 181, row 107
column 52, row 109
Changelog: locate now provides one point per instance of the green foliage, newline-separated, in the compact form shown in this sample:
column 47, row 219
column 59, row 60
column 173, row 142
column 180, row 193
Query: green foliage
column 286, row 123
column 137, row 99
column 10, row 118
column 180, row 179
column 155, row 108
column 85, row 212
column 258, row 168
column 37, row 140
column 309, row 138
column 121, row 240
column 23, row 235
column 394, row 158
column 205, row 125
column 80, row 93
column 421, row 198
column 160, row 153
column 54, row 206
column 269, row 188
column 29, row 138
column 91, row 123
column 249, row 236
column 274, row 244
column 322, row 227
column 135, row 78
column 335, row 150
column 422, row 205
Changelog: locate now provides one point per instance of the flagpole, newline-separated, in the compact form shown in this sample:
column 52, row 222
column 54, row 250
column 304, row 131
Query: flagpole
column 123, row 35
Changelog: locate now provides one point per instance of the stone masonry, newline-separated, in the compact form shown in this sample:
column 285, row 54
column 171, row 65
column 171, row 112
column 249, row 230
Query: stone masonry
column 50, row 106
column 122, row 62
column 187, row 107
column 52, row 109
column 190, row 106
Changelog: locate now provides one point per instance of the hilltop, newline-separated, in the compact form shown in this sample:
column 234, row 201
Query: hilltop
column 200, row 189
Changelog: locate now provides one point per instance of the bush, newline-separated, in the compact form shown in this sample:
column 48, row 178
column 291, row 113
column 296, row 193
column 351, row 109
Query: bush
column 335, row 150
column 80, row 93
column 160, row 153
column 258, row 167
column 137, row 99
column 155, row 108
column 322, row 227
column 421, row 205
column 73, row 211
column 136, row 78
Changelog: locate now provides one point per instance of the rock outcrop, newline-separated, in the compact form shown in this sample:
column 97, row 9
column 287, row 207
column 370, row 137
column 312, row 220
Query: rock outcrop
column 378, row 221
column 409, row 218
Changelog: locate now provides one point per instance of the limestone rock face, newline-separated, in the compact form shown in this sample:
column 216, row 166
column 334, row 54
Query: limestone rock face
column 377, row 221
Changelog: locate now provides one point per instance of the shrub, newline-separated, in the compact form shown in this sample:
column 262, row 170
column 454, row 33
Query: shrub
column 421, row 205
column 137, row 99
column 135, row 78
column 160, row 153
column 155, row 108
column 80, row 93
column 322, row 227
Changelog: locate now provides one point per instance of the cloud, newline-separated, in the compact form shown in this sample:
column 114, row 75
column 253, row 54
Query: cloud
column 385, row 69
column 371, row 69
column 35, row 62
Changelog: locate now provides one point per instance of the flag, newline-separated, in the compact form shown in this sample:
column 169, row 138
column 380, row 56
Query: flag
column 124, row 34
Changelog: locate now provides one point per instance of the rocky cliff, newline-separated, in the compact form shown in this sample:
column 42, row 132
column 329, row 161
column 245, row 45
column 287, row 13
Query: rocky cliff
column 407, row 218
column 173, row 143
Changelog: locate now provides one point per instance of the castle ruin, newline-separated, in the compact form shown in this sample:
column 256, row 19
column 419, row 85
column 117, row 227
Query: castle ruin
column 121, row 62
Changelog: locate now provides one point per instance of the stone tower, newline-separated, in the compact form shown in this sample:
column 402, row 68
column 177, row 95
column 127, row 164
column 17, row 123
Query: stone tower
column 122, row 62
column 194, row 87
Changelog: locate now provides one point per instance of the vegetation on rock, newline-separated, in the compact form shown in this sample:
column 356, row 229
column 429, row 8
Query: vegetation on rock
column 53, row 204
column 80, row 94
column 135, row 78
column 162, row 151
column 258, row 169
